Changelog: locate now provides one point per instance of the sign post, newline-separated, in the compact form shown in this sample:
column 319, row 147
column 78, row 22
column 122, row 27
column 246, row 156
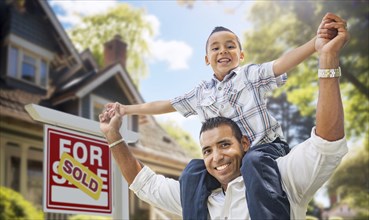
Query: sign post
column 79, row 175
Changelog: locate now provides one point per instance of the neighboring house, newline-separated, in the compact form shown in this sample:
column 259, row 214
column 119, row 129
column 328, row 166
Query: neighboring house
column 39, row 64
column 340, row 211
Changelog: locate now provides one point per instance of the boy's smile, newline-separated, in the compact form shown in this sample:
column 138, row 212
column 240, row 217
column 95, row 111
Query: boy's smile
column 223, row 53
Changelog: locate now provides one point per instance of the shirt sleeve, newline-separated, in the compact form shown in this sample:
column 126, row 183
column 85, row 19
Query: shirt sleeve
column 157, row 190
column 262, row 76
column 309, row 165
column 186, row 104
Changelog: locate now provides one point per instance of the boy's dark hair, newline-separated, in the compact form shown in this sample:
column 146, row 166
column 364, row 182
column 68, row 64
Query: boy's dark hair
column 219, row 121
column 219, row 29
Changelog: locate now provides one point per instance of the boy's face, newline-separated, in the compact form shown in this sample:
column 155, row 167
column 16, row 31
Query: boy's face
column 223, row 153
column 223, row 53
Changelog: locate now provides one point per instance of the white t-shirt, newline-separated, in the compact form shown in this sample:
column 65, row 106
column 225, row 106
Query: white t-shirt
column 304, row 170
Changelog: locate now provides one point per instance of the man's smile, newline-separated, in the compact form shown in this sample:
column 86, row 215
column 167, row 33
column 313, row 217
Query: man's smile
column 222, row 167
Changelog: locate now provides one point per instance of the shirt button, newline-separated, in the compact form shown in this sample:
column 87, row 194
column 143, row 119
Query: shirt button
column 219, row 88
column 221, row 106
column 235, row 90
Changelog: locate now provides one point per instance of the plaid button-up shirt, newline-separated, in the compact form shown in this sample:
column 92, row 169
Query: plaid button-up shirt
column 241, row 96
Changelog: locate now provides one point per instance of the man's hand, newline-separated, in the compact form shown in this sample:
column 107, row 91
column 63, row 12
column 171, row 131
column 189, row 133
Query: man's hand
column 332, row 34
column 110, row 121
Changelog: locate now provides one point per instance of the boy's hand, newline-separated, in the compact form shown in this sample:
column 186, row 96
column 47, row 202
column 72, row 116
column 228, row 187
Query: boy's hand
column 332, row 34
column 110, row 124
column 111, row 108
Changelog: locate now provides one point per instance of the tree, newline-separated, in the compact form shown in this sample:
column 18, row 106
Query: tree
column 183, row 138
column 292, row 23
column 124, row 20
column 296, row 128
column 350, row 181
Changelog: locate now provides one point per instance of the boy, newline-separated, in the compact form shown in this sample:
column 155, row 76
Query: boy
column 239, row 93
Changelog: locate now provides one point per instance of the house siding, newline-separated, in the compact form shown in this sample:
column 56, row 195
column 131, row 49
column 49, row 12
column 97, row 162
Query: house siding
column 85, row 107
column 31, row 26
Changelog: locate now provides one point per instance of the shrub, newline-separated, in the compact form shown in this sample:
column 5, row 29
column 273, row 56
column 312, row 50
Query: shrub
column 14, row 206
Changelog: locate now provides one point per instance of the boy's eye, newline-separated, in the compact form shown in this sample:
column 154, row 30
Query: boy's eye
column 231, row 46
column 214, row 48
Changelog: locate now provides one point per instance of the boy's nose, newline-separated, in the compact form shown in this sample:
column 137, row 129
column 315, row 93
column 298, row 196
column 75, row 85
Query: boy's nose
column 223, row 50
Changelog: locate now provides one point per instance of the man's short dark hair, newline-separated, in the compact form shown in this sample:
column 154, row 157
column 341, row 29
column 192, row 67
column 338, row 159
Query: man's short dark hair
column 212, row 123
column 219, row 29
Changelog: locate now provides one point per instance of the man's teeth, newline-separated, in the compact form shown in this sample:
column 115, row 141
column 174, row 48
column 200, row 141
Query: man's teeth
column 222, row 167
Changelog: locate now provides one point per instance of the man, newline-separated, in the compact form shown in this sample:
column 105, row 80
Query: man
column 303, row 171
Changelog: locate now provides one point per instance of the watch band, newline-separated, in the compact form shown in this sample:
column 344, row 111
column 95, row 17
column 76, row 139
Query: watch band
column 329, row 73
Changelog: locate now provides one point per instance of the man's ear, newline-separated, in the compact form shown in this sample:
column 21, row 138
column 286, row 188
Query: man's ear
column 207, row 60
column 245, row 143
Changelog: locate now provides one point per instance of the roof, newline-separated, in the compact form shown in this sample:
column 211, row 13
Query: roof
column 153, row 136
column 12, row 102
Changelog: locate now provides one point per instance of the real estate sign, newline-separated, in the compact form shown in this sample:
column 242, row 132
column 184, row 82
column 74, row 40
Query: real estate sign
column 77, row 169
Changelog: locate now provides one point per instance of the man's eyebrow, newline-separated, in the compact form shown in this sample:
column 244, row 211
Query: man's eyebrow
column 223, row 141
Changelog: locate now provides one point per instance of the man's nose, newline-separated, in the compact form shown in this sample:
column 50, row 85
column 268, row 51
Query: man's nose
column 217, row 156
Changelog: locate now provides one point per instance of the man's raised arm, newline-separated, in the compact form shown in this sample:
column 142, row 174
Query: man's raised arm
column 329, row 115
column 128, row 164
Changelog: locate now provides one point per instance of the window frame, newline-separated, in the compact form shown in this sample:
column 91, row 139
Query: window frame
column 25, row 48
column 102, row 101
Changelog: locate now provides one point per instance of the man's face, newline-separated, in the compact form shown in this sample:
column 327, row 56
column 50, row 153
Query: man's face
column 223, row 53
column 223, row 153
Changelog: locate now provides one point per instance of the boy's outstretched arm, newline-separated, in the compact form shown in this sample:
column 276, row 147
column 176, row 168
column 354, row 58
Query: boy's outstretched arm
column 149, row 108
column 294, row 57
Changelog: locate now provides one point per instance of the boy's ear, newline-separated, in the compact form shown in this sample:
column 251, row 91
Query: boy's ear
column 245, row 142
column 207, row 60
column 242, row 55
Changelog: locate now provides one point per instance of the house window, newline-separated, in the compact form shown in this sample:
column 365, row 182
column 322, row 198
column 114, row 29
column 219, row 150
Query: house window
column 13, row 62
column 27, row 66
column 97, row 106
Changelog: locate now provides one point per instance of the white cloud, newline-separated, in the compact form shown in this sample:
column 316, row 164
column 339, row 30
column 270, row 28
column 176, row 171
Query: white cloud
column 73, row 8
column 175, row 53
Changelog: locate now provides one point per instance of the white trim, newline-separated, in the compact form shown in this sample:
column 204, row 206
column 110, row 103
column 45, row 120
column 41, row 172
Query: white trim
column 69, row 121
column 32, row 48
column 91, row 86
column 107, row 75
column 22, row 52
column 98, row 99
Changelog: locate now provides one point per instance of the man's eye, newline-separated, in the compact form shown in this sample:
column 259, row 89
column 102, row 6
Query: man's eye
column 206, row 152
column 224, row 145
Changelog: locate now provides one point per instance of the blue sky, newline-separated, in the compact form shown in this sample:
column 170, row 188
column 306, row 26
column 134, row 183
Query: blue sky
column 178, row 63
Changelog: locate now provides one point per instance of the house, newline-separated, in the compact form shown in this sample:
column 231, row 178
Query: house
column 39, row 64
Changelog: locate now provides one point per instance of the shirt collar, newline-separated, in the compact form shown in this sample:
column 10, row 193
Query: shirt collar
column 228, row 76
